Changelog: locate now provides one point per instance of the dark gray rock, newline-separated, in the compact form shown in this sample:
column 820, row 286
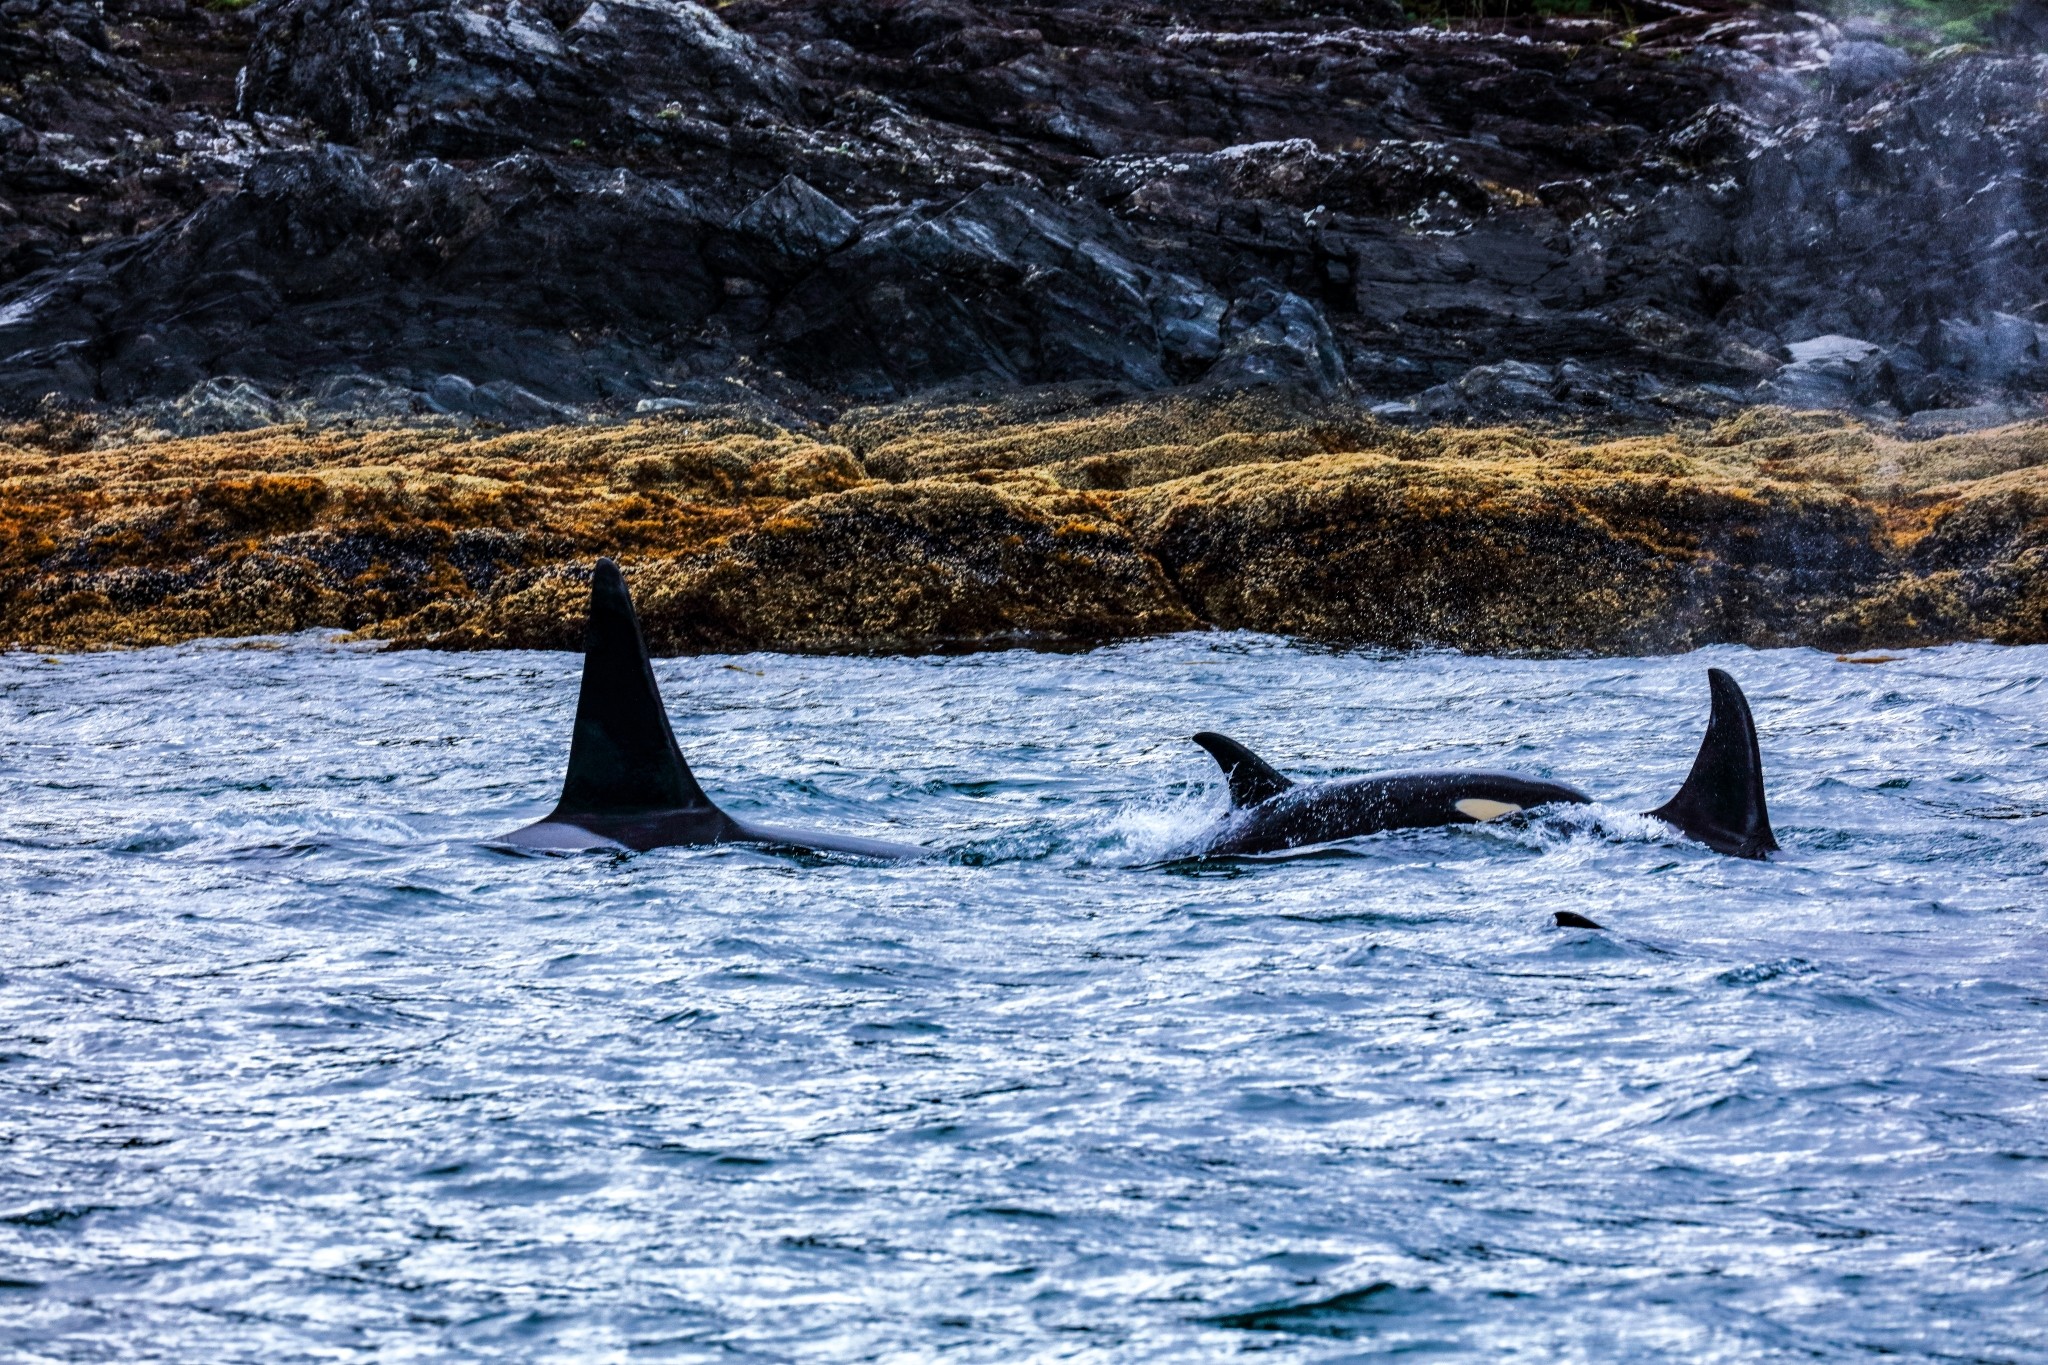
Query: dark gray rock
column 224, row 403
column 1858, row 66
column 1272, row 337
column 1005, row 286
column 1999, row 347
column 1929, row 423
column 2022, row 26
column 1906, row 218
column 500, row 402
column 469, row 78
column 556, row 206
column 1189, row 321
column 570, row 283
column 1571, row 393
column 1830, row 372
column 796, row 221
column 96, row 142
column 1487, row 392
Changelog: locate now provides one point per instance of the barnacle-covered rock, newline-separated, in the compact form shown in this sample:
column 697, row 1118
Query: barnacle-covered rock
column 740, row 537
column 919, row 567
column 286, row 529
column 1054, row 521
column 1503, row 553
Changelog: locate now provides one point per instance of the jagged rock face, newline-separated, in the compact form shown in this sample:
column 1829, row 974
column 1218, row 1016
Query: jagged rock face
column 97, row 141
column 1911, row 218
column 479, row 78
column 1010, row 285
column 325, row 262
column 573, row 204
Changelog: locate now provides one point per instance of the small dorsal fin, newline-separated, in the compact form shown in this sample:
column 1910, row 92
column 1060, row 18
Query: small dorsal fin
column 1251, row 778
column 623, row 755
column 1722, row 801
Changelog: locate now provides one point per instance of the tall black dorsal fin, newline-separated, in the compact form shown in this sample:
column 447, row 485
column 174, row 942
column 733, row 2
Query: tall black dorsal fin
column 623, row 756
column 1722, row 801
column 1251, row 778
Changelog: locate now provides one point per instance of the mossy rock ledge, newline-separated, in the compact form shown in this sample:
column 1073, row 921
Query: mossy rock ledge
column 951, row 527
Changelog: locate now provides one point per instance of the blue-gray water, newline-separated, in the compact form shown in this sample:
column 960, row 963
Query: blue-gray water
column 293, row 1066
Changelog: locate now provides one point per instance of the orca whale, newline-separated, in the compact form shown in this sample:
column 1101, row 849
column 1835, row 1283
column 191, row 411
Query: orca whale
column 628, row 786
column 1721, row 803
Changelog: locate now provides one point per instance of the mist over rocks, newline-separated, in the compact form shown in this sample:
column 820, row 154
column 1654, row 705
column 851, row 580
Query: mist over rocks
column 513, row 211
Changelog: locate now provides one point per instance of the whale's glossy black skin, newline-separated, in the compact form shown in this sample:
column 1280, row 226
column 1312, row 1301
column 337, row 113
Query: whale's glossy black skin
column 1320, row 812
column 673, row 829
column 1721, row 804
column 627, row 786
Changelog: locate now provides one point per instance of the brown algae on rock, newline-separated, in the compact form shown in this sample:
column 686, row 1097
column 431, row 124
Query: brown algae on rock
column 1051, row 520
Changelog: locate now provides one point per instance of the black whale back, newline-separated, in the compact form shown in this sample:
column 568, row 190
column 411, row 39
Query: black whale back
column 1722, row 801
column 623, row 757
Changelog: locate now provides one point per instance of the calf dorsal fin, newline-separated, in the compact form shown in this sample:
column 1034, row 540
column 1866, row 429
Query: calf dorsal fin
column 1251, row 778
column 623, row 756
column 1722, row 801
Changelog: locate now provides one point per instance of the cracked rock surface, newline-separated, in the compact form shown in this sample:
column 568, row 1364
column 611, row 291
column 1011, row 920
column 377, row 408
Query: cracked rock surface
column 1052, row 519
column 515, row 212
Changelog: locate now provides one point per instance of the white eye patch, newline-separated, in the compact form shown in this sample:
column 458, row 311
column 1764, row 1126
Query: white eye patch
column 1475, row 808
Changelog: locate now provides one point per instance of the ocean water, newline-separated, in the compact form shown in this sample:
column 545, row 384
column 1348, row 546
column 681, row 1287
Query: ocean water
column 294, row 1065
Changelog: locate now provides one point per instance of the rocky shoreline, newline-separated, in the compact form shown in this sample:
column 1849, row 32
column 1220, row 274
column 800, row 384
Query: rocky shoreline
column 950, row 324
column 1052, row 520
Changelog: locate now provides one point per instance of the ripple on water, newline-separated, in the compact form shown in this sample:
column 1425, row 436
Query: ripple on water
column 295, row 1065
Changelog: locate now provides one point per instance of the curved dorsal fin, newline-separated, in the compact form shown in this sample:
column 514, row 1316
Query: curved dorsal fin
column 623, row 756
column 1251, row 778
column 1722, row 801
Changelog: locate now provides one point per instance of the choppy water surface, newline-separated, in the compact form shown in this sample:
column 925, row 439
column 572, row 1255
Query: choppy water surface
column 293, row 1065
